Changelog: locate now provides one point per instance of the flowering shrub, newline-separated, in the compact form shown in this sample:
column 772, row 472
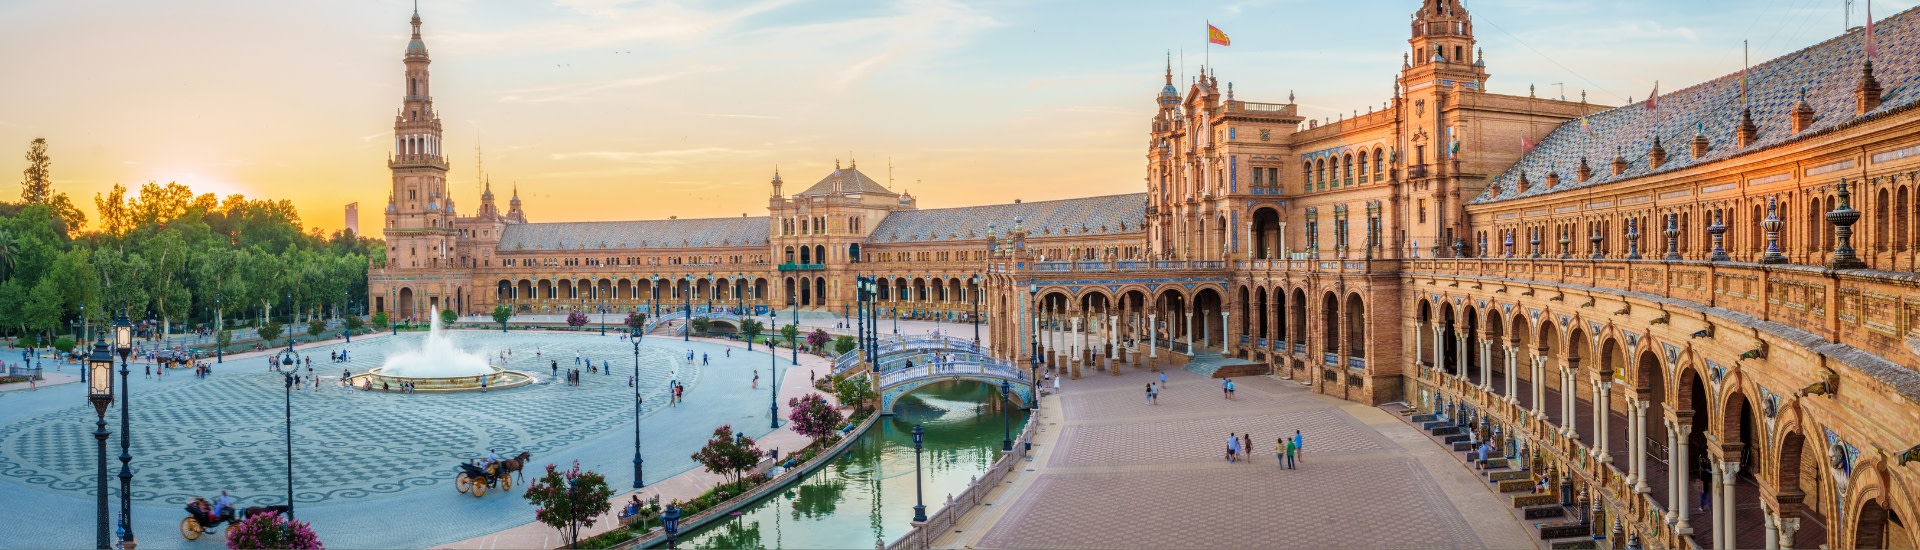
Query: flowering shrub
column 813, row 417
column 569, row 500
column 269, row 530
column 728, row 454
column 818, row 339
column 576, row 319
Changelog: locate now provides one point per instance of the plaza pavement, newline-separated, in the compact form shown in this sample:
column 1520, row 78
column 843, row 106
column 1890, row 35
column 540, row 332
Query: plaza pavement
column 371, row 470
column 1110, row 471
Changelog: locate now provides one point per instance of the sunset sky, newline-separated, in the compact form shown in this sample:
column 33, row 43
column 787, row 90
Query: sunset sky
column 603, row 109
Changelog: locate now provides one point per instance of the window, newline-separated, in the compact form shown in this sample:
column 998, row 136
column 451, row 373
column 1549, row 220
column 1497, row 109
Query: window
column 1363, row 167
column 1423, row 210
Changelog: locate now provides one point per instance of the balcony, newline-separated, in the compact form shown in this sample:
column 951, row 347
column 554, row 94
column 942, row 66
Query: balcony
column 802, row 267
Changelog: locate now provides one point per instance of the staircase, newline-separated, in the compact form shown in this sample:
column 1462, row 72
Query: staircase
column 1557, row 527
column 1206, row 363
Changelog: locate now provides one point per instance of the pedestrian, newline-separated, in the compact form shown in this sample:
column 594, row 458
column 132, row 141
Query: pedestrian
column 1149, row 394
column 729, row 353
column 1056, row 384
column 1299, row 445
column 147, row 371
column 1484, row 449
column 756, row 378
column 1280, row 451
column 606, row 366
column 1163, row 379
column 703, row 359
column 556, row 368
column 1706, row 495
column 1226, row 388
column 1233, row 448
column 1292, row 450
column 629, row 380
column 1246, row 440
column 1230, row 388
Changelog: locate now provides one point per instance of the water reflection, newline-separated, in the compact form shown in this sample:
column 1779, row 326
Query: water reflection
column 865, row 497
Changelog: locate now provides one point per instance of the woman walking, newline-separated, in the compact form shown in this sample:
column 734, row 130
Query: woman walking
column 1233, row 448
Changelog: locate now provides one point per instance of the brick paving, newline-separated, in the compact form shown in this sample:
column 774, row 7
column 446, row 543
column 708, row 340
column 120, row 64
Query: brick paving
column 1110, row 471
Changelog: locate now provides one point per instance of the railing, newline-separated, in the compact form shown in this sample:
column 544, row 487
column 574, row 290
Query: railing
column 997, row 370
column 921, row 537
column 1076, row 266
column 802, row 267
column 1329, row 358
column 894, row 345
column 1356, row 363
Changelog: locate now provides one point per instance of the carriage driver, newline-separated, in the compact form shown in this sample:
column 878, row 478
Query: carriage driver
column 221, row 505
column 492, row 458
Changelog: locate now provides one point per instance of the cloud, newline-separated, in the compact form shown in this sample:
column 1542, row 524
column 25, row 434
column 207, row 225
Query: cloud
column 576, row 92
column 665, row 157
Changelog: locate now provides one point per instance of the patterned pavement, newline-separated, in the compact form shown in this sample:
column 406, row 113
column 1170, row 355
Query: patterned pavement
column 358, row 451
column 1114, row 472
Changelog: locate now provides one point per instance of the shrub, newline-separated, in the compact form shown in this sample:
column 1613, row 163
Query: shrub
column 353, row 322
column 448, row 316
column 844, row 344
column 380, row 320
column 316, row 327
column 569, row 500
column 576, row 319
column 269, row 530
column 270, row 330
column 701, row 325
column 818, row 339
column 65, row 345
column 728, row 454
column 813, row 417
column 855, row 391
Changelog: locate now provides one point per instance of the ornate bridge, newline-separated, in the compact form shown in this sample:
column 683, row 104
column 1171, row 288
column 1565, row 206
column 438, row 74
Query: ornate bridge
column 681, row 317
column 960, row 359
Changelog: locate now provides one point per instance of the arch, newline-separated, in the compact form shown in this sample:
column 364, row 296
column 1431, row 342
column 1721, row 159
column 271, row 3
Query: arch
column 503, row 291
column 820, row 254
column 806, row 254
column 853, row 253
column 406, row 303
column 1298, row 304
column 820, row 291
column 1330, row 323
column 1266, row 233
column 1356, row 313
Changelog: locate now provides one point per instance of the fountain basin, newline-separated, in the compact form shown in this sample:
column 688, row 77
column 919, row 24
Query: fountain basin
column 498, row 379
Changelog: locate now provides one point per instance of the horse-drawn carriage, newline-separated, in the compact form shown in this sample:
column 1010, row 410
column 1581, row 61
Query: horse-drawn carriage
column 200, row 516
column 475, row 479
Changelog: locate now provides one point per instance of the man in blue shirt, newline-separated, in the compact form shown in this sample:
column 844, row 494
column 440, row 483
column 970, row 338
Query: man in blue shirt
column 221, row 505
column 1299, row 449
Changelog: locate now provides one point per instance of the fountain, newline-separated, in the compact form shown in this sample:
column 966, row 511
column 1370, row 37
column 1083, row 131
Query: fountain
column 439, row 366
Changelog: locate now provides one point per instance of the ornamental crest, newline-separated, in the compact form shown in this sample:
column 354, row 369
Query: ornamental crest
column 1566, row 320
column 1507, row 309
column 1459, row 301
column 1673, row 353
column 1593, row 330
column 1840, row 459
column 1266, row 135
column 1534, row 313
column 1716, row 373
column 1633, row 340
column 1482, row 304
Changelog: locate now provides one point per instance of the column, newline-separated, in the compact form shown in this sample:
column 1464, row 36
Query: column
column 1513, row 383
column 1566, row 400
column 1439, row 348
column 1460, row 345
column 1788, row 526
column 1153, row 335
column 1226, row 334
column 1633, row 466
column 1719, row 535
column 1113, row 340
column 1640, row 445
column 1773, row 527
column 1540, row 382
column 1189, row 334
column 1677, row 464
column 1073, row 340
column 1723, row 507
column 1419, row 344
column 1486, row 364
column 1602, row 413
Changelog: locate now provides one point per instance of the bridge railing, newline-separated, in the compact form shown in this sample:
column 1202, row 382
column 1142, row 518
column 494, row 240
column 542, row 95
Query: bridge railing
column 895, row 345
column 993, row 369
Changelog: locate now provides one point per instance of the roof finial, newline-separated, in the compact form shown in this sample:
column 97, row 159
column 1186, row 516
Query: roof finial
column 836, row 164
column 851, row 163
column 1169, row 67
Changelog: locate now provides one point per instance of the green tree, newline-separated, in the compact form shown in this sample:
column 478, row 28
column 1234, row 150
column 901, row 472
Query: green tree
column 448, row 316
column 37, row 185
column 790, row 333
column 9, row 254
column 702, row 324
column 854, row 390
column 752, row 329
column 353, row 322
column 270, row 330
column 501, row 313
column 728, row 454
column 380, row 320
column 316, row 327
column 569, row 500
column 844, row 344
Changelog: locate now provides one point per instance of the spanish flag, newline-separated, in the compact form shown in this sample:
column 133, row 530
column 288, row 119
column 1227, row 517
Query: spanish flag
column 1215, row 36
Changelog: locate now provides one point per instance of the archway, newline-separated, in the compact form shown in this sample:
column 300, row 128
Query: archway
column 1800, row 474
column 1329, row 326
column 1650, row 386
column 406, row 304
column 1356, row 313
column 1266, row 234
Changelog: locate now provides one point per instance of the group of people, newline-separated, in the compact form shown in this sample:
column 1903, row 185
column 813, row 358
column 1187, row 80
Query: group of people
column 1286, row 450
column 339, row 356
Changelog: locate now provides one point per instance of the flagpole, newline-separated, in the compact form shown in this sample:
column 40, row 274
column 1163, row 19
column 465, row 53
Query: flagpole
column 1206, row 57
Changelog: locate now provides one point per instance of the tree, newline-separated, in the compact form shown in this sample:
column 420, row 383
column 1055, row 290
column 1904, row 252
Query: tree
column 844, row 344
column 701, row 325
column 9, row 254
column 448, row 316
column 751, row 328
column 790, row 332
column 813, row 417
column 269, row 530
column 270, row 330
column 728, row 454
column 37, row 185
column 818, row 339
column 576, row 319
column 380, row 320
column 226, row 338
column 316, row 327
column 501, row 313
column 569, row 500
column 353, row 322
column 855, row 391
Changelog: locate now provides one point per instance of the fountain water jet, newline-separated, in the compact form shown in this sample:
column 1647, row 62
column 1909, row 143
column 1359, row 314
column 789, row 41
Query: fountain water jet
column 439, row 366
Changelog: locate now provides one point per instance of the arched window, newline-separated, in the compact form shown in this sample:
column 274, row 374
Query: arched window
column 1379, row 165
column 1346, row 169
column 1363, row 166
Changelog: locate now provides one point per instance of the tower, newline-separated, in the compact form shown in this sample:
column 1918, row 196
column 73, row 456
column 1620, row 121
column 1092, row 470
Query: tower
column 420, row 218
column 1440, row 69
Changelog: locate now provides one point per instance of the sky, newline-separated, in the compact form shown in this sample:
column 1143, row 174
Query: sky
column 611, row 110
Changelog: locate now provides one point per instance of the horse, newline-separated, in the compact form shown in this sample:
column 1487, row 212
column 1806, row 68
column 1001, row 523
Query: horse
column 513, row 465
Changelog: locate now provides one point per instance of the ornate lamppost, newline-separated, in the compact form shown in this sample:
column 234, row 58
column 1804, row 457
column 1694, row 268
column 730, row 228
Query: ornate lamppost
column 687, row 295
column 289, row 374
column 794, row 342
column 123, row 343
column 670, row 521
column 100, row 393
column 603, row 326
column 219, row 328
column 975, row 290
column 639, row 464
column 919, row 503
column 1006, row 418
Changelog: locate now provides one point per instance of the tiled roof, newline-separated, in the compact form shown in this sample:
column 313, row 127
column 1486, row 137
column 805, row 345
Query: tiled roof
column 851, row 181
column 1109, row 215
column 638, row 234
column 1829, row 72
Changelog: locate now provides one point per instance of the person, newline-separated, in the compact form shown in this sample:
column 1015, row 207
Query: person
column 1230, row 388
column 703, row 359
column 1233, row 448
column 633, row 507
column 1706, row 494
column 756, row 378
column 488, row 462
column 1484, row 449
column 729, row 353
column 1292, row 449
column 1226, row 388
column 1149, row 394
column 1299, row 446
column 606, row 366
column 1163, row 379
column 1056, row 384
column 556, row 368
column 1246, row 445
column 1280, row 451
column 146, row 371
column 221, row 505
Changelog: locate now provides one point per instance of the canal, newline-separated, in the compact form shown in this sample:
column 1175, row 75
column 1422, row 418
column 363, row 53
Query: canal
column 865, row 497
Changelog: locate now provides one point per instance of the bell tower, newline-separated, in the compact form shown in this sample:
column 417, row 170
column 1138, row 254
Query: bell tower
column 420, row 217
column 1442, row 47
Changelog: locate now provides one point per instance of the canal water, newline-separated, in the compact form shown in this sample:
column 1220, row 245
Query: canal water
column 865, row 497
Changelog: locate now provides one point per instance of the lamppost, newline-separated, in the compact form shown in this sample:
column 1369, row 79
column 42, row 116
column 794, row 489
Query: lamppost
column 773, row 388
column 80, row 340
column 639, row 464
column 100, row 393
column 288, row 374
column 346, row 304
column 653, row 295
column 123, row 343
column 290, row 325
column 919, row 504
column 219, row 328
column 710, row 289
column 976, row 308
column 687, row 295
column 670, row 520
column 1006, row 418
column 603, row 326
column 1033, row 297
column 794, row 342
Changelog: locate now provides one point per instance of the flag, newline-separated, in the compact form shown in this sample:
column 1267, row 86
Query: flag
column 1526, row 145
column 1653, row 99
column 1584, row 127
column 1215, row 36
column 1870, row 46
column 1453, row 143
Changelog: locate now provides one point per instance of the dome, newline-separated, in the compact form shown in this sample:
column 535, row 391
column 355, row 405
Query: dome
column 416, row 47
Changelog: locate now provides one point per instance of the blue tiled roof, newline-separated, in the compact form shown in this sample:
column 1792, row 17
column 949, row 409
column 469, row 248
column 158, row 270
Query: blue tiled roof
column 1109, row 215
column 638, row 234
column 1829, row 72
column 851, row 181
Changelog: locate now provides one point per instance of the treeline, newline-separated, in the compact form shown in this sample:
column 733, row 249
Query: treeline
column 167, row 254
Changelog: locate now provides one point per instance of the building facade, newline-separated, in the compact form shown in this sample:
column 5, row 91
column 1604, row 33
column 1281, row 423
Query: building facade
column 1711, row 289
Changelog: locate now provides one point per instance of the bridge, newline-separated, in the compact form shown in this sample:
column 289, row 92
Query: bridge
column 667, row 318
column 962, row 360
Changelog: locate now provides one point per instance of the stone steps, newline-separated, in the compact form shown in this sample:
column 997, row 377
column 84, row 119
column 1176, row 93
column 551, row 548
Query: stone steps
column 1566, row 531
column 1510, row 475
column 1514, row 485
column 1543, row 512
column 1582, row 544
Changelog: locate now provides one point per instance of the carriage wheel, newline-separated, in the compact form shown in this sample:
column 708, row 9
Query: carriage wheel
column 479, row 489
column 506, row 482
column 461, row 483
column 190, row 528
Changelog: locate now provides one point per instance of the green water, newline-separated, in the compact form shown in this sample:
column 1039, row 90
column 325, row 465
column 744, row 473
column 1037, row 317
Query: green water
column 865, row 497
